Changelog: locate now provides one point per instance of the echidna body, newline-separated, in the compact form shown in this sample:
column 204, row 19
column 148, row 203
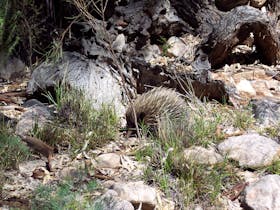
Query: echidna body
column 156, row 104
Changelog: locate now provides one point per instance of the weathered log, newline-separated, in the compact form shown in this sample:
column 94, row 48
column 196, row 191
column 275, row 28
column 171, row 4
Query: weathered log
column 221, row 31
column 234, row 28
column 184, row 83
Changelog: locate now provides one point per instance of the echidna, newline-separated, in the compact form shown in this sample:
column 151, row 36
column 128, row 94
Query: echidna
column 154, row 105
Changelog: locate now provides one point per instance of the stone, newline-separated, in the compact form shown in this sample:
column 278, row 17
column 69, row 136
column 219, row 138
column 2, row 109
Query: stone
column 93, row 77
column 111, row 201
column 119, row 43
column 12, row 69
column 267, row 111
column 177, row 47
column 27, row 168
column 150, row 52
column 250, row 150
column 245, row 86
column 33, row 102
column 137, row 193
column 183, row 46
column 202, row 155
column 34, row 116
column 108, row 160
column 263, row 194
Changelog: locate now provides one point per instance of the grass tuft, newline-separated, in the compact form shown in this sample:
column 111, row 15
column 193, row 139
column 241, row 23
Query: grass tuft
column 70, row 193
column 12, row 151
column 81, row 122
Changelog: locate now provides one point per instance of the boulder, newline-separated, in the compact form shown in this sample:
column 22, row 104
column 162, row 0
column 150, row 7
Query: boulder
column 109, row 160
column 263, row 194
column 250, row 150
column 137, row 193
column 96, row 80
column 111, row 201
column 34, row 116
column 202, row 155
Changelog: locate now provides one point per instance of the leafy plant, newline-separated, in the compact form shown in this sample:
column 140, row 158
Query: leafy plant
column 164, row 45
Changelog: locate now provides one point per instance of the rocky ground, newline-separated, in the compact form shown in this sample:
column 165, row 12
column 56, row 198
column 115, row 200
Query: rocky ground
column 120, row 174
column 225, row 154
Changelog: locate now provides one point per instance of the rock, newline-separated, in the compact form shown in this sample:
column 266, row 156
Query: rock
column 12, row 69
column 119, row 43
column 111, row 201
column 177, row 46
column 266, row 111
column 183, row 46
column 202, row 155
column 32, row 102
column 37, row 115
column 245, row 86
column 28, row 167
column 109, row 160
column 257, row 3
column 264, row 194
column 250, row 150
column 100, row 86
column 150, row 52
column 136, row 193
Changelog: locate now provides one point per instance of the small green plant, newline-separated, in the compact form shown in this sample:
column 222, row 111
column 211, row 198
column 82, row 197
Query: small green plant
column 243, row 119
column 12, row 151
column 274, row 168
column 164, row 45
column 142, row 154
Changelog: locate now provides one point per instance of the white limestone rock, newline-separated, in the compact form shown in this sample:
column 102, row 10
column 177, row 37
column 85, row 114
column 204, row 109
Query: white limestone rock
column 250, row 150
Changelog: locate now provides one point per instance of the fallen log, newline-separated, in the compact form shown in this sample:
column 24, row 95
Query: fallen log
column 234, row 28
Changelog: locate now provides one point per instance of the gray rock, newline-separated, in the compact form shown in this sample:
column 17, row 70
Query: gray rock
column 12, row 68
column 177, row 46
column 137, row 193
column 32, row 102
column 250, row 150
column 36, row 115
column 119, row 43
column 109, row 160
column 183, row 47
column 111, row 201
column 96, row 80
column 150, row 52
column 263, row 194
column 202, row 155
column 267, row 111
column 26, row 168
